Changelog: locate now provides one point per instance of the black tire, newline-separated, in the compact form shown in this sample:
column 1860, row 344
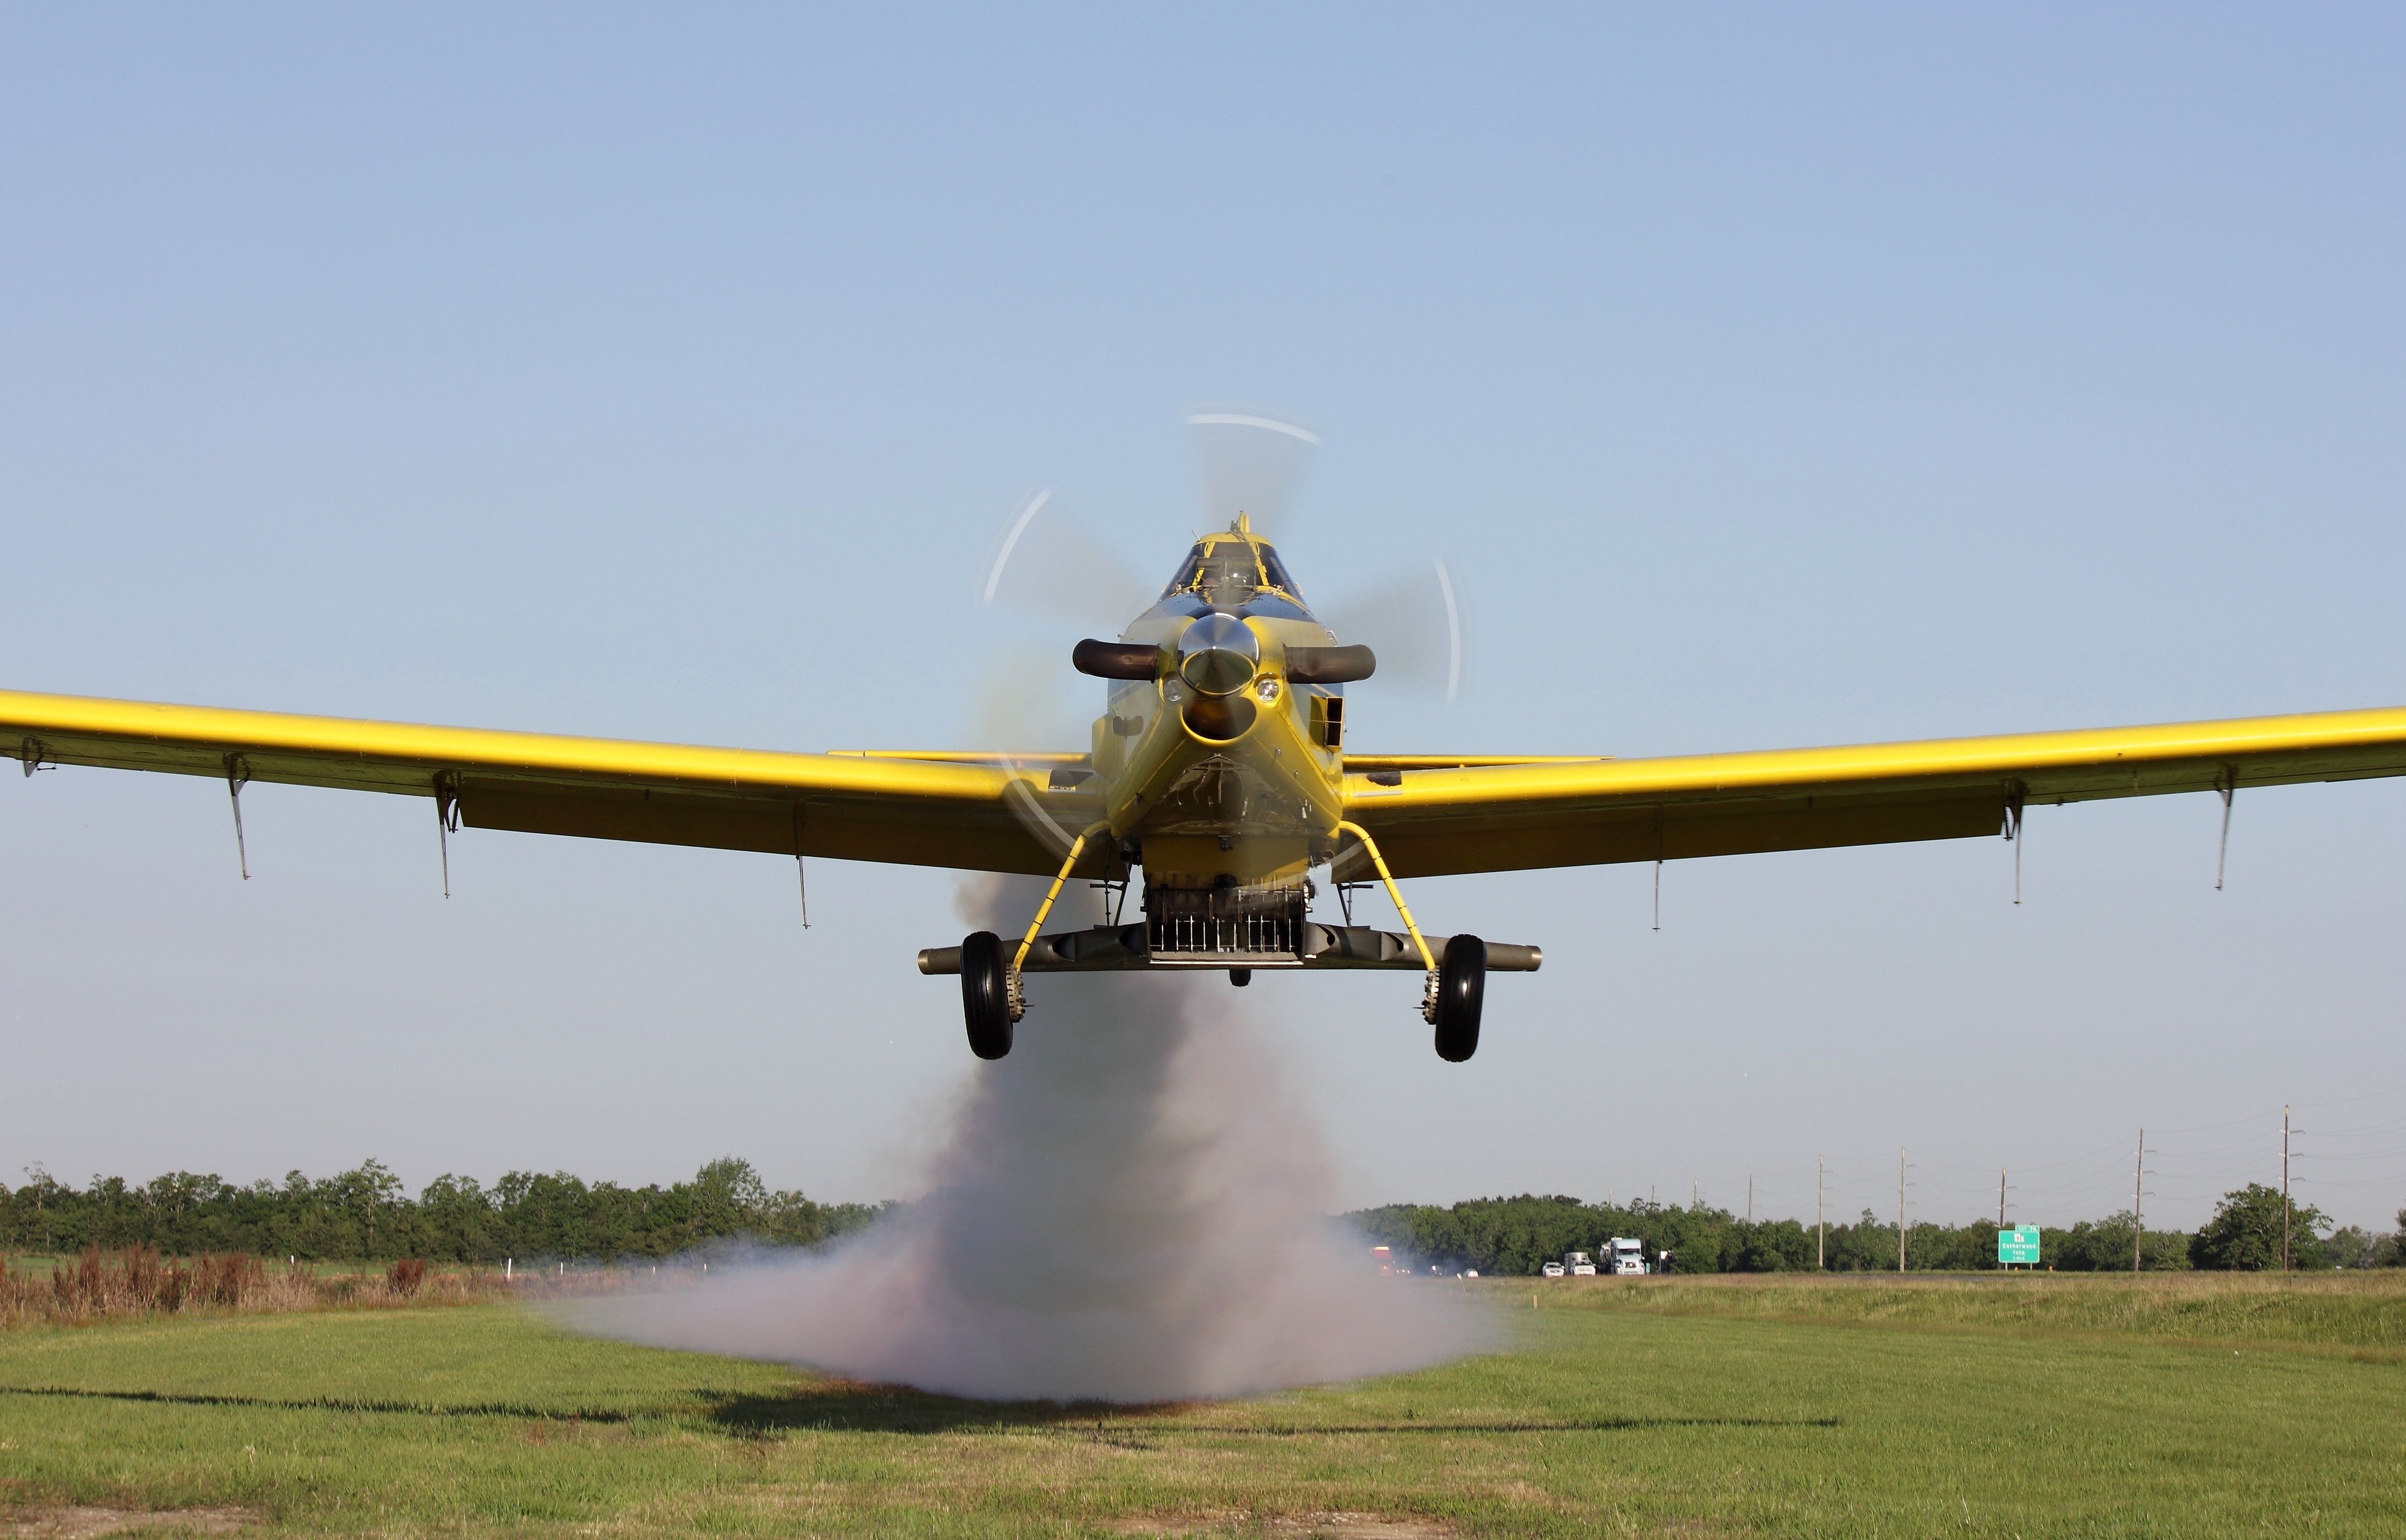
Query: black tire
column 1461, row 991
column 1240, row 977
column 986, row 994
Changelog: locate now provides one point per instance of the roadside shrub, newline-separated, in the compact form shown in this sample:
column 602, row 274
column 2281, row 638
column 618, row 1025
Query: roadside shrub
column 134, row 1281
column 226, row 1279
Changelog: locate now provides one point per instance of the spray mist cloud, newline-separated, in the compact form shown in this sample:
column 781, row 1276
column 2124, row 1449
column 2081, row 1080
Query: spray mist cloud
column 1129, row 1208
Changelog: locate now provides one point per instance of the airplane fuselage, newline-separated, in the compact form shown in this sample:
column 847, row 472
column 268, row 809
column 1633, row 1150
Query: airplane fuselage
column 1221, row 771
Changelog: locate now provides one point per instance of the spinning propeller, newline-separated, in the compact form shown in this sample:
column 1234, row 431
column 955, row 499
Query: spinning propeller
column 1251, row 462
column 1045, row 560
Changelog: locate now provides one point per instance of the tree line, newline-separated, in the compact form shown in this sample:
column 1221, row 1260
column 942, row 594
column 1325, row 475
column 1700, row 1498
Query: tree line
column 366, row 1214
column 1518, row 1236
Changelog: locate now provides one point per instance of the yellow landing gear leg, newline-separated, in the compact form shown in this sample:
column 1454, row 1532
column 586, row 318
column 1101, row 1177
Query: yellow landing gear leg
column 1428, row 1002
column 1036, row 926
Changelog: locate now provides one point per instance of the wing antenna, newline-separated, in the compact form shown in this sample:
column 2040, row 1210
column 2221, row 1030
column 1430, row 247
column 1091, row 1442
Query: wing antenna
column 1660, row 847
column 2014, row 833
column 801, row 878
column 238, row 776
column 446, row 818
column 2229, row 777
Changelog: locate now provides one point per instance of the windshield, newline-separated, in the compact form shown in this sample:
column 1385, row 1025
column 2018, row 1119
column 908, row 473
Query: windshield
column 1277, row 572
column 1227, row 572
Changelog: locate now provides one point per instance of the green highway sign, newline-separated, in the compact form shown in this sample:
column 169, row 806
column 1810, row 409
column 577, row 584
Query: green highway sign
column 2019, row 1245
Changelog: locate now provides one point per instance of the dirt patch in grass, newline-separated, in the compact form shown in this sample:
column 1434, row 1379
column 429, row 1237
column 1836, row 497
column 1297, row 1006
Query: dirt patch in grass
column 81, row 1523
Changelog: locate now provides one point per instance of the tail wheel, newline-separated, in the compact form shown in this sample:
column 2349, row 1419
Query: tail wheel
column 1461, row 991
column 986, row 994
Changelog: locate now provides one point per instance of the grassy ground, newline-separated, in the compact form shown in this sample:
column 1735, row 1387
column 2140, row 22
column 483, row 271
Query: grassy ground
column 1677, row 1406
column 2360, row 1313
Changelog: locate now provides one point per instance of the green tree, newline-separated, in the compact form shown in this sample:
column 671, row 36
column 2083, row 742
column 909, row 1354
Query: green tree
column 1866, row 1246
column 45, row 1214
column 366, row 1213
column 1773, row 1246
column 2245, row 1234
column 2103, row 1245
column 2352, row 1246
column 455, row 1222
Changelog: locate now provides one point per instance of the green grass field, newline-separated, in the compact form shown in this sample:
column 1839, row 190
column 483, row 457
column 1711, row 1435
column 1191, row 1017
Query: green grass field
column 2047, row 1406
column 2362, row 1314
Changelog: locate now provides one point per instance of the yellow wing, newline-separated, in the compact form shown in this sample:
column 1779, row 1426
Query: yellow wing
column 934, row 810
column 1502, row 817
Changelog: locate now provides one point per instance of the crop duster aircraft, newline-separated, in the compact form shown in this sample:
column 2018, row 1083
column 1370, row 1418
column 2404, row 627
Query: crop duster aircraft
column 1219, row 769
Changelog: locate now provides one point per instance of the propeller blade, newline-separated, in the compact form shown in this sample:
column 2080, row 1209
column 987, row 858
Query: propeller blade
column 1027, row 712
column 1413, row 623
column 1044, row 560
column 1249, row 462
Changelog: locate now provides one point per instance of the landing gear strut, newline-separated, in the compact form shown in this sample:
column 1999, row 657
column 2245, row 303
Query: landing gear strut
column 990, row 987
column 986, row 994
column 1457, row 990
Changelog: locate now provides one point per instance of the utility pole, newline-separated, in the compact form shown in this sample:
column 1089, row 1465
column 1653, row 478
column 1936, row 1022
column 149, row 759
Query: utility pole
column 2001, row 1197
column 2138, row 1197
column 1749, row 1198
column 2284, row 1188
column 1899, row 1209
column 1696, row 1193
column 1820, row 1219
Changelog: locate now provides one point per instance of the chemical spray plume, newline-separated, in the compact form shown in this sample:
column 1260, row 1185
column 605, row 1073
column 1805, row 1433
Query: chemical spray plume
column 1129, row 1208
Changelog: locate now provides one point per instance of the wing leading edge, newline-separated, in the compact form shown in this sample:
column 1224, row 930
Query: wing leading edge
column 942, row 811
column 1431, row 814
column 1508, row 817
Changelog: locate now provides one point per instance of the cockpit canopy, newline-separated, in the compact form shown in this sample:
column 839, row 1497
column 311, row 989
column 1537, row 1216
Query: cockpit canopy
column 1228, row 569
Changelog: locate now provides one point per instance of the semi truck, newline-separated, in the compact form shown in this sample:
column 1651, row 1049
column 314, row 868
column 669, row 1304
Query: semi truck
column 1627, row 1257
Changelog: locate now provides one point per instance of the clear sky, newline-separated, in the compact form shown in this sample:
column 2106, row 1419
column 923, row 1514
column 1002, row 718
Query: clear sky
column 1769, row 377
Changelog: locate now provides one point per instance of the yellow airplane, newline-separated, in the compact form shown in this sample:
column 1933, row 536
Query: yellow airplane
column 1219, row 769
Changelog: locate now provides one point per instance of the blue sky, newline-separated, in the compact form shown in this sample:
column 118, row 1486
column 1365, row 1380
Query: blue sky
column 1768, row 378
